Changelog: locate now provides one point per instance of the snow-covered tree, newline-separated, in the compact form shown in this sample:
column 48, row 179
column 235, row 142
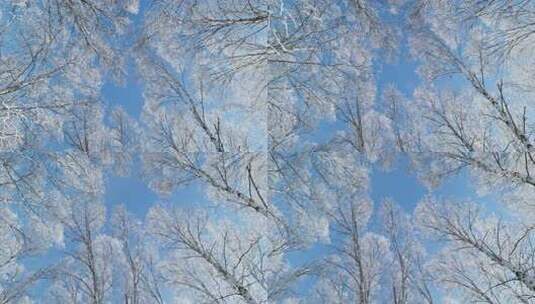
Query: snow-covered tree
column 220, row 260
column 485, row 259
column 480, row 118
column 472, row 111
column 409, row 279
column 53, row 56
column 232, row 91
column 142, row 281
column 275, row 111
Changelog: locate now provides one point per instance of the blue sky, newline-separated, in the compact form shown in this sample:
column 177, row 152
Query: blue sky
column 398, row 183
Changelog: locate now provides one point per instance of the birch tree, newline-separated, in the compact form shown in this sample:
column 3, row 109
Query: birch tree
column 278, row 69
column 472, row 111
column 408, row 278
column 482, row 119
column 142, row 281
column 41, row 85
column 486, row 259
column 222, row 261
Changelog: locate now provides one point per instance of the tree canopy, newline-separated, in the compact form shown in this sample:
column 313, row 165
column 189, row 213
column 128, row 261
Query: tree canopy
column 279, row 113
